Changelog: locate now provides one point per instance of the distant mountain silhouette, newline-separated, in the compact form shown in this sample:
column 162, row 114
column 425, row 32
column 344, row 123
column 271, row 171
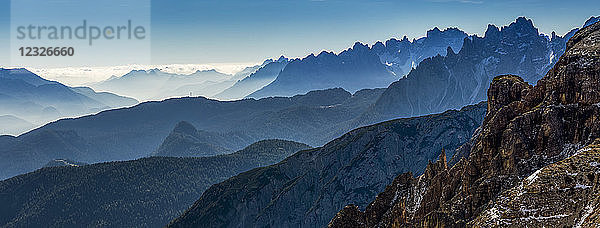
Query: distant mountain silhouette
column 360, row 67
column 354, row 69
column 255, row 81
column 14, row 126
column 136, row 132
column 27, row 96
column 155, row 84
column 186, row 141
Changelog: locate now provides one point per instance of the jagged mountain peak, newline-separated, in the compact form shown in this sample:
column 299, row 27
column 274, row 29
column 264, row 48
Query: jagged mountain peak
column 134, row 72
column 325, row 55
column 207, row 71
column 359, row 46
column 591, row 21
column 522, row 27
column 525, row 129
column 492, row 31
column 436, row 32
column 282, row 59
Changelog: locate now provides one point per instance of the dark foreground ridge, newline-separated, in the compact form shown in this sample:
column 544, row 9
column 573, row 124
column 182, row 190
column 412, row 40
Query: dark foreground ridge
column 147, row 192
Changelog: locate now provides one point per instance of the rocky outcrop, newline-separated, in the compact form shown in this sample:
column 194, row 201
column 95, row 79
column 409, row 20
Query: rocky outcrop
column 526, row 128
column 564, row 194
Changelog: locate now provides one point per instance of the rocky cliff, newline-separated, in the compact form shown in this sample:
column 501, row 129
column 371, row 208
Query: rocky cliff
column 516, row 173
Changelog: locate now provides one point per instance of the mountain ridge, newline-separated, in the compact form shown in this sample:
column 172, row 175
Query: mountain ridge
column 515, row 172
column 36, row 100
column 147, row 192
column 307, row 188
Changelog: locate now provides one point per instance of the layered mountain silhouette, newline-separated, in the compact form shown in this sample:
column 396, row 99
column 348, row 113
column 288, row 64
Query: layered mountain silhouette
column 255, row 81
column 534, row 163
column 309, row 187
column 353, row 69
column 12, row 125
column 28, row 101
column 136, row 132
column 360, row 67
column 143, row 193
column 155, row 84
column 537, row 148
column 314, row 118
column 186, row 141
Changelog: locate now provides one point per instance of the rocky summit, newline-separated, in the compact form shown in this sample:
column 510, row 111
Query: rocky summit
column 526, row 166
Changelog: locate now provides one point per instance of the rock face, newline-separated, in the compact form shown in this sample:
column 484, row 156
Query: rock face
column 525, row 129
column 309, row 187
column 564, row 194
column 462, row 78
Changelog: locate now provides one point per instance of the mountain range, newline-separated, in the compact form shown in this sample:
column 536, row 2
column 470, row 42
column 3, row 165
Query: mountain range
column 155, row 84
column 457, row 79
column 138, row 131
column 309, row 187
column 29, row 101
column 360, row 67
column 263, row 76
column 529, row 156
column 148, row 192
column 314, row 118
column 534, row 163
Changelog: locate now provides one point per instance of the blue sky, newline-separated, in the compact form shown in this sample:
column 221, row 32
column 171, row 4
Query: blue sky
column 221, row 31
